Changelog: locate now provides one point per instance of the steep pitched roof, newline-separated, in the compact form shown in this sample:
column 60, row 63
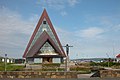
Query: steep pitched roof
column 40, row 42
column 44, row 15
column 118, row 56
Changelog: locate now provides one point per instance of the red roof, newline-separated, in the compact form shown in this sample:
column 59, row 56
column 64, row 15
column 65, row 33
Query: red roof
column 40, row 42
column 44, row 15
column 118, row 56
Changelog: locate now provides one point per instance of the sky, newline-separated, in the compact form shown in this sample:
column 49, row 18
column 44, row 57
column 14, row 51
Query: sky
column 92, row 27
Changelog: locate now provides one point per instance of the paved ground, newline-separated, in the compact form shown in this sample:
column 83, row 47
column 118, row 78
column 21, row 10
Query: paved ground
column 67, row 79
column 33, row 66
column 84, row 75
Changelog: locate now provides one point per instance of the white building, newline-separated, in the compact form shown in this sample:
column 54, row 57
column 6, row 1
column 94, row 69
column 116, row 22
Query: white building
column 118, row 58
column 8, row 60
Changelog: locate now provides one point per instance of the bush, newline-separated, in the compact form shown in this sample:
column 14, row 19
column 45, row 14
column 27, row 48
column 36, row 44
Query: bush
column 48, row 69
column 61, row 69
column 51, row 65
column 81, row 69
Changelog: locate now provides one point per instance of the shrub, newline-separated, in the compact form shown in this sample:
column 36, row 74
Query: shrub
column 79, row 69
column 61, row 69
column 104, row 64
column 51, row 65
column 48, row 69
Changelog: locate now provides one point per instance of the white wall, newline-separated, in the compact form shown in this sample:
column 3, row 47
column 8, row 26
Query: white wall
column 37, row 60
column 30, row 60
column 11, row 61
column 56, row 60
column 8, row 60
column 3, row 60
column 118, row 59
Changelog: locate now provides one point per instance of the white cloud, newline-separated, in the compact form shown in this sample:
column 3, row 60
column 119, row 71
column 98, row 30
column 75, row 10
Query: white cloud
column 82, row 47
column 59, row 5
column 55, row 4
column 92, row 32
column 73, row 2
column 11, row 22
column 116, row 27
column 14, row 31
column 63, row 13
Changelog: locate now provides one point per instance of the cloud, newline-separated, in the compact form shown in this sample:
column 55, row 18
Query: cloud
column 59, row 5
column 116, row 27
column 82, row 47
column 73, row 2
column 11, row 22
column 91, row 32
column 14, row 31
column 56, row 4
column 63, row 13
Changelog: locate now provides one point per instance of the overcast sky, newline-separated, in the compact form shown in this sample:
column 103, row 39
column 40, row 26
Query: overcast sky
column 92, row 27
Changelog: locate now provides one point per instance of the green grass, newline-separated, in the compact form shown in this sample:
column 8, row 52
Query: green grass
column 2, row 68
column 81, row 70
column 10, row 67
column 104, row 64
column 14, row 68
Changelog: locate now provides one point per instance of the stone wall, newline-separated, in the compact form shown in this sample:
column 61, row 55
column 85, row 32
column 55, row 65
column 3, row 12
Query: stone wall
column 37, row 74
column 109, row 73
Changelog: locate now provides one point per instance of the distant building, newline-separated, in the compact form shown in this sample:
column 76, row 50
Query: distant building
column 1, row 58
column 8, row 60
column 118, row 58
column 44, row 45
column 19, row 61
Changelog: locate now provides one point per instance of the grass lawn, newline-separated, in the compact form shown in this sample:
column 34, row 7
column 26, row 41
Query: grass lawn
column 10, row 67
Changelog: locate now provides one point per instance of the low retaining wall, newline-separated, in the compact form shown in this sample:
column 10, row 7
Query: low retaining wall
column 109, row 73
column 37, row 74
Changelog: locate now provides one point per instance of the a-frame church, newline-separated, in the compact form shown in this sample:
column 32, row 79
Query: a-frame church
column 44, row 45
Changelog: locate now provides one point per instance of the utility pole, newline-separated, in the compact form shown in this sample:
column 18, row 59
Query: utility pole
column 108, row 59
column 67, row 57
column 113, row 52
